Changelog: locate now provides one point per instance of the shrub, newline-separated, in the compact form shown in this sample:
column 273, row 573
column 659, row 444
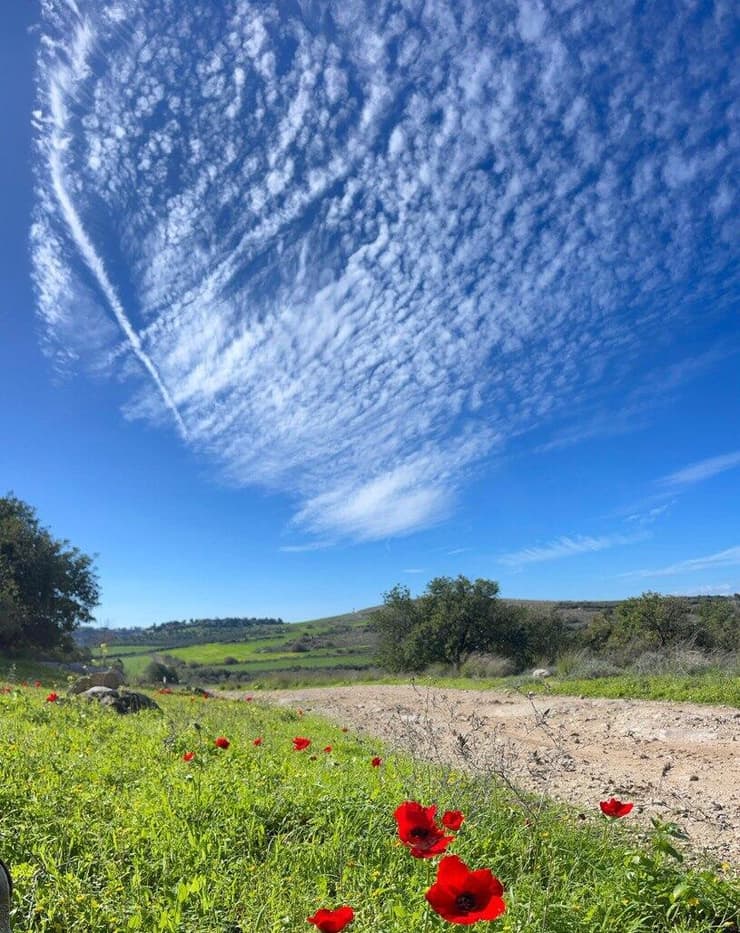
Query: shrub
column 487, row 665
column 157, row 672
column 583, row 664
column 681, row 659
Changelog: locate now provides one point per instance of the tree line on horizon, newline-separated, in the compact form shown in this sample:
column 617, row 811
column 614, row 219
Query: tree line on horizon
column 183, row 632
column 49, row 589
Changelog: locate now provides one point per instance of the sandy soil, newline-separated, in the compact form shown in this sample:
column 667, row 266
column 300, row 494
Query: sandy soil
column 676, row 761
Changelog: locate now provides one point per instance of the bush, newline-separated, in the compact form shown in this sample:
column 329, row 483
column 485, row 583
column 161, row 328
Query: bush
column 487, row 665
column 574, row 665
column 157, row 672
column 681, row 659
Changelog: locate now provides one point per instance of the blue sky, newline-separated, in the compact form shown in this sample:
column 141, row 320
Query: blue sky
column 302, row 300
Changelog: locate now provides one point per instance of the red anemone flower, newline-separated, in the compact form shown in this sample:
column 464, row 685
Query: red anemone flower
column 418, row 830
column 464, row 896
column 188, row 756
column 327, row 749
column 257, row 741
column 332, row 921
column 376, row 762
column 615, row 808
column 37, row 683
column 52, row 697
column 300, row 743
column 453, row 819
column 248, row 699
column 221, row 742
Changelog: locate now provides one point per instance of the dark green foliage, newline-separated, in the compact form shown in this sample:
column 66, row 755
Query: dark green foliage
column 47, row 587
column 453, row 619
column 720, row 624
column 652, row 620
column 398, row 625
column 159, row 672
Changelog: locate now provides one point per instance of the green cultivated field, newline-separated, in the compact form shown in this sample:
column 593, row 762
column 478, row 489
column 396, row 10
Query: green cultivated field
column 108, row 830
column 337, row 644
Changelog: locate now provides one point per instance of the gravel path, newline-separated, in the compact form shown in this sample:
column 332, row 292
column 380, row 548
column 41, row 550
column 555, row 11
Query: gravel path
column 676, row 761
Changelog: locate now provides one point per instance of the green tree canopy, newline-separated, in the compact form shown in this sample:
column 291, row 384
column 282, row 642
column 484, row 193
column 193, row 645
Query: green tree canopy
column 652, row 621
column 47, row 587
column 452, row 619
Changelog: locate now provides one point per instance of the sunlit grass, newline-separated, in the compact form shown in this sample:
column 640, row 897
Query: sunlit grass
column 108, row 829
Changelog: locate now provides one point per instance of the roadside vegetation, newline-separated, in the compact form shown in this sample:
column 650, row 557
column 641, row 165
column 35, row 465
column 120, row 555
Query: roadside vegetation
column 108, row 828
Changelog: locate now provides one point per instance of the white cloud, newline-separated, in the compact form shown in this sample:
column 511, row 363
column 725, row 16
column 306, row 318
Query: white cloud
column 710, row 589
column 650, row 515
column 704, row 469
column 565, row 547
column 727, row 558
column 308, row 546
column 392, row 504
column 343, row 264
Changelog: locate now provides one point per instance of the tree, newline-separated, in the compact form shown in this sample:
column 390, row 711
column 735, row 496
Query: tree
column 719, row 624
column 47, row 587
column 652, row 621
column 451, row 620
column 398, row 624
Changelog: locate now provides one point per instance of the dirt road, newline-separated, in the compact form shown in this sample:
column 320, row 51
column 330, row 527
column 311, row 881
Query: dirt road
column 677, row 761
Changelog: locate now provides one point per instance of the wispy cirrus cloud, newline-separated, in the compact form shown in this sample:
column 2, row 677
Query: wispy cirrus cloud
column 649, row 516
column 306, row 547
column 727, row 558
column 704, row 469
column 566, row 546
column 327, row 245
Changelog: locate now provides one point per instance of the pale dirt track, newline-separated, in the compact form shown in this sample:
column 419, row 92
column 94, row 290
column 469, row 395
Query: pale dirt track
column 676, row 761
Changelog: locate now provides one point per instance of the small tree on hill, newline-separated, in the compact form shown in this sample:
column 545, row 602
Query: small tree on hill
column 47, row 587
column 451, row 620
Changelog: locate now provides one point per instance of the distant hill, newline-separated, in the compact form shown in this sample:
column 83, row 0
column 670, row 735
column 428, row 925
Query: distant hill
column 184, row 632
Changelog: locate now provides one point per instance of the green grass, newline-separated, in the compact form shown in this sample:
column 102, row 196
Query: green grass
column 16, row 670
column 107, row 830
column 720, row 688
column 714, row 687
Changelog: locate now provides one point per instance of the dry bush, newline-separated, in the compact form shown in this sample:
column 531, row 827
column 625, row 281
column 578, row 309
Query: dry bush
column 679, row 659
column 585, row 665
column 487, row 665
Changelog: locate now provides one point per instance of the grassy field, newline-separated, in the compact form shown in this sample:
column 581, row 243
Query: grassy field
column 107, row 830
column 339, row 642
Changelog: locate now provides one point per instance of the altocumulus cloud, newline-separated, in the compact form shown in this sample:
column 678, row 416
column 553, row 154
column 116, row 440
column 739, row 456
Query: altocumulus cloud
column 349, row 249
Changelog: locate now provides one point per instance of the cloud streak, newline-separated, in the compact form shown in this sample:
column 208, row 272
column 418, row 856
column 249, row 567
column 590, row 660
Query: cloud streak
column 727, row 558
column 703, row 470
column 565, row 547
column 351, row 256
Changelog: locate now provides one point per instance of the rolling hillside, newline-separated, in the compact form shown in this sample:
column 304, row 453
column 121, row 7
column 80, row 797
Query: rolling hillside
column 340, row 646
